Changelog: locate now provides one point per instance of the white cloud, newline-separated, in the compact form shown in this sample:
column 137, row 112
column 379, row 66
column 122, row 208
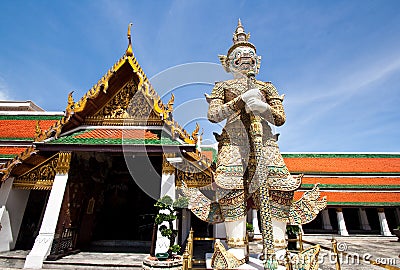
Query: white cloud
column 326, row 96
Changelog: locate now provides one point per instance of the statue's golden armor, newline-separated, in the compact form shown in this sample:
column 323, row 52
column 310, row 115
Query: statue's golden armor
column 250, row 170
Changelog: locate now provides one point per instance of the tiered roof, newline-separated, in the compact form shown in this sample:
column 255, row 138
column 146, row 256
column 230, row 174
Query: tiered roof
column 121, row 102
column 23, row 127
column 358, row 179
column 18, row 129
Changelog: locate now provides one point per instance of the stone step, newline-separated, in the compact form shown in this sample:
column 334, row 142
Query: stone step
column 82, row 260
column 95, row 260
column 13, row 259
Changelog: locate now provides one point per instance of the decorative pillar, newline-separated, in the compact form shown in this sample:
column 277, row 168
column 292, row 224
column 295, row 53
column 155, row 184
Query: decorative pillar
column 341, row 222
column 257, row 232
column 326, row 221
column 12, row 208
column 167, row 188
column 383, row 222
column 364, row 220
column 43, row 242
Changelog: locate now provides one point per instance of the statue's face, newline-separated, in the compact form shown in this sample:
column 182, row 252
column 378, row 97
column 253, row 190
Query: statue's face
column 242, row 60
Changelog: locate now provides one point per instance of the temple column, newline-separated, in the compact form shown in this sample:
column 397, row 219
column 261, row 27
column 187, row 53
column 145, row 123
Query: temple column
column 341, row 222
column 43, row 242
column 326, row 221
column 167, row 188
column 257, row 232
column 364, row 220
column 383, row 222
column 12, row 208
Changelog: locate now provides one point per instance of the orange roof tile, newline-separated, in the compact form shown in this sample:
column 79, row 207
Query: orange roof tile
column 208, row 154
column 10, row 150
column 352, row 180
column 118, row 134
column 346, row 165
column 22, row 128
column 357, row 198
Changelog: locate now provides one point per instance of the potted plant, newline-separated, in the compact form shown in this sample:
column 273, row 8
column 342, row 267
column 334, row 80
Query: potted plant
column 250, row 231
column 164, row 221
column 397, row 232
column 292, row 232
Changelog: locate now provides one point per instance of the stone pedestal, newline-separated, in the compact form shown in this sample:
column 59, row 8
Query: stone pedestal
column 151, row 263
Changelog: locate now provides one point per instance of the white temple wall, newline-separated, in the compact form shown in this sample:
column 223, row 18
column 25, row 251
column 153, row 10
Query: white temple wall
column 12, row 208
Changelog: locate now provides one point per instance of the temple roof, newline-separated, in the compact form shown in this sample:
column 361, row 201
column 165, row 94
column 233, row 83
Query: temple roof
column 358, row 199
column 12, row 105
column 18, row 129
column 7, row 152
column 350, row 179
column 115, row 139
column 23, row 126
column 344, row 182
column 344, row 163
column 122, row 97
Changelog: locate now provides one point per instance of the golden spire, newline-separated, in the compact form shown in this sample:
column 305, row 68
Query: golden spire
column 240, row 38
column 240, row 35
column 129, row 51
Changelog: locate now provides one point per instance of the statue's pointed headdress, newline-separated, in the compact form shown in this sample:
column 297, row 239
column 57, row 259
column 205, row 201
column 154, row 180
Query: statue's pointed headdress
column 240, row 38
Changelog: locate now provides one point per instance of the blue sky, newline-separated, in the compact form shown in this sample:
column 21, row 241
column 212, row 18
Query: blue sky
column 337, row 62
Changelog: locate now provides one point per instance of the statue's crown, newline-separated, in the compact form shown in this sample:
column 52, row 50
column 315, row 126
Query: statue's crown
column 240, row 38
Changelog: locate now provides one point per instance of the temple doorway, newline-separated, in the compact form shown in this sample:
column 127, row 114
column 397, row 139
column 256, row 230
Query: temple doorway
column 121, row 218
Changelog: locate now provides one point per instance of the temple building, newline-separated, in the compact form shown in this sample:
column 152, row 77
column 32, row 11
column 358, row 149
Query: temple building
column 87, row 178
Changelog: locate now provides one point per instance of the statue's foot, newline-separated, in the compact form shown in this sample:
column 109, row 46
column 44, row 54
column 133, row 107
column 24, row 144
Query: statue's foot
column 271, row 263
column 222, row 259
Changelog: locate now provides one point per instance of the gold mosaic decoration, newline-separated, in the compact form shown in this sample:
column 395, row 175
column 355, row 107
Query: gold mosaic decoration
column 221, row 259
column 193, row 175
column 41, row 177
column 160, row 109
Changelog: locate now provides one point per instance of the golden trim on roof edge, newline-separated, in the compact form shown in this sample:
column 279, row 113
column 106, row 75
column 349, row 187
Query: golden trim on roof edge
column 165, row 111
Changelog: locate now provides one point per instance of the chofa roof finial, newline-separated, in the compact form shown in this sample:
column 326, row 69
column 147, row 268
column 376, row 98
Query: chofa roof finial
column 129, row 51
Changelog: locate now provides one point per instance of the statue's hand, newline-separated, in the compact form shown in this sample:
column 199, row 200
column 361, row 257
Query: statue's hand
column 256, row 105
column 252, row 93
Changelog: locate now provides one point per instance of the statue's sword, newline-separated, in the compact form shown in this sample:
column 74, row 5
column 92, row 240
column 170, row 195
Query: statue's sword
column 258, row 181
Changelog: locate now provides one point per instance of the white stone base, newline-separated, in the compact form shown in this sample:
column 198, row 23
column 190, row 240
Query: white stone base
column 254, row 263
column 149, row 264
